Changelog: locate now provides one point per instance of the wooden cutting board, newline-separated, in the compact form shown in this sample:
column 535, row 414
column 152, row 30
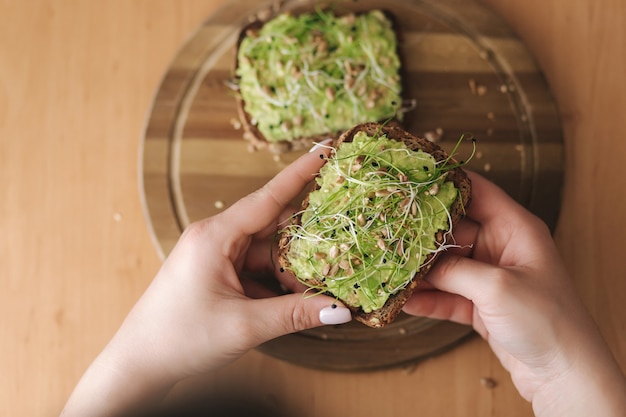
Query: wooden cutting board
column 466, row 71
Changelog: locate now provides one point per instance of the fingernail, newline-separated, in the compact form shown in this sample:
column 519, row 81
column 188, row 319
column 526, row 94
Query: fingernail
column 335, row 314
column 321, row 144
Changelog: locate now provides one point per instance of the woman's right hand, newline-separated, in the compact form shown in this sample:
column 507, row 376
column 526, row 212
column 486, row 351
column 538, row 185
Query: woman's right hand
column 507, row 280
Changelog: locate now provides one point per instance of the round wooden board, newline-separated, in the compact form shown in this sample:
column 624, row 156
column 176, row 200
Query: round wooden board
column 467, row 72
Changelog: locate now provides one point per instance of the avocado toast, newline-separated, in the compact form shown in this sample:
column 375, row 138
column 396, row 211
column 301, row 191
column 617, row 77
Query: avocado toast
column 305, row 77
column 381, row 211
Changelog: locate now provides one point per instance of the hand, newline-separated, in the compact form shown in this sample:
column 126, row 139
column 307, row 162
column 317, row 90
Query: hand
column 508, row 282
column 199, row 313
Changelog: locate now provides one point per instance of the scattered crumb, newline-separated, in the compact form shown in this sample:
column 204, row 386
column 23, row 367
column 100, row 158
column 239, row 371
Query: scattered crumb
column 476, row 88
column 264, row 15
column 117, row 217
column 488, row 382
column 402, row 330
column 519, row 148
column 490, row 132
column 504, row 88
column 235, row 123
column 491, row 115
column 487, row 167
column 276, row 158
column 409, row 369
column 479, row 155
column 434, row 135
column 472, row 85
column 219, row 204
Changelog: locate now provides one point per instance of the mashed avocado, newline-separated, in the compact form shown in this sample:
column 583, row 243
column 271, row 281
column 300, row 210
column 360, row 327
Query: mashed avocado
column 369, row 227
column 313, row 74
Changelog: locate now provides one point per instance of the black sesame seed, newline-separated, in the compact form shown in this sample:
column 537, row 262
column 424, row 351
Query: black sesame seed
column 425, row 168
column 333, row 306
column 357, row 286
column 384, row 284
column 375, row 164
column 321, row 156
column 282, row 269
column 384, row 260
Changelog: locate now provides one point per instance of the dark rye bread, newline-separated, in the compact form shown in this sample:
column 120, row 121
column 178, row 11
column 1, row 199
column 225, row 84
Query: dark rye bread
column 255, row 137
column 393, row 306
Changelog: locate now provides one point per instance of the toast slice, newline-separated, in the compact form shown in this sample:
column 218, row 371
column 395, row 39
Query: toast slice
column 380, row 213
column 304, row 78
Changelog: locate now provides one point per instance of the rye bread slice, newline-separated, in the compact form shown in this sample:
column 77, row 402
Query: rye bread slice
column 393, row 306
column 256, row 139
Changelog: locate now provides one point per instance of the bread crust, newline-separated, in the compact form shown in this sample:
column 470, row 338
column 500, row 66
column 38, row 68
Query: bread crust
column 392, row 308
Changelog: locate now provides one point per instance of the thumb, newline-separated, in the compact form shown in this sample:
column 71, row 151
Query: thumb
column 466, row 277
column 277, row 316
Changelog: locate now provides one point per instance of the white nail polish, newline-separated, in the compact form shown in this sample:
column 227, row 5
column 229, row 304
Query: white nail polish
column 335, row 315
column 324, row 143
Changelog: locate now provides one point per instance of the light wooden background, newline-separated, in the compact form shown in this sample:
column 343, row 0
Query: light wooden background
column 76, row 81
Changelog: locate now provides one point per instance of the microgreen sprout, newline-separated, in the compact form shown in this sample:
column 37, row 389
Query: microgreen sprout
column 373, row 221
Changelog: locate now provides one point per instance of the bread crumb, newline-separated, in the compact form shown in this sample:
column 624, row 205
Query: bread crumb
column 488, row 382
column 434, row 135
column 235, row 123
column 117, row 217
column 219, row 204
column 487, row 167
column 481, row 90
column 491, row 115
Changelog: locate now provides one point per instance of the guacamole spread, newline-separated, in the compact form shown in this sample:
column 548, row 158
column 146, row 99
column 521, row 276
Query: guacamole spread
column 371, row 224
column 317, row 73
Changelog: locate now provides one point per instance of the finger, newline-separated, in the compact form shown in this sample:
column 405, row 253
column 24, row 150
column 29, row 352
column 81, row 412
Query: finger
column 491, row 203
column 441, row 306
column 258, row 210
column 466, row 277
column 277, row 316
column 465, row 235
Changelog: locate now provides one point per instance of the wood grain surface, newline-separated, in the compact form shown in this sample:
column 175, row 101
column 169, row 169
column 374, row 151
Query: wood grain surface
column 77, row 79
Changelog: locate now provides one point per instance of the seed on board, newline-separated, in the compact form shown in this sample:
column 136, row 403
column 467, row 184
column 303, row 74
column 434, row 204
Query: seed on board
column 297, row 121
column 403, row 177
column 414, row 208
column 326, row 269
column 319, row 256
column 344, row 247
column 381, row 244
column 333, row 271
column 333, row 252
column 382, row 193
column 488, row 382
column 434, row 189
column 360, row 220
column 340, row 180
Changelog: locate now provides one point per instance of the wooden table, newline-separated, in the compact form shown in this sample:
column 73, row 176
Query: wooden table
column 76, row 82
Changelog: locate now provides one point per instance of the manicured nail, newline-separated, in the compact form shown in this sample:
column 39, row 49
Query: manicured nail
column 335, row 314
column 321, row 144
